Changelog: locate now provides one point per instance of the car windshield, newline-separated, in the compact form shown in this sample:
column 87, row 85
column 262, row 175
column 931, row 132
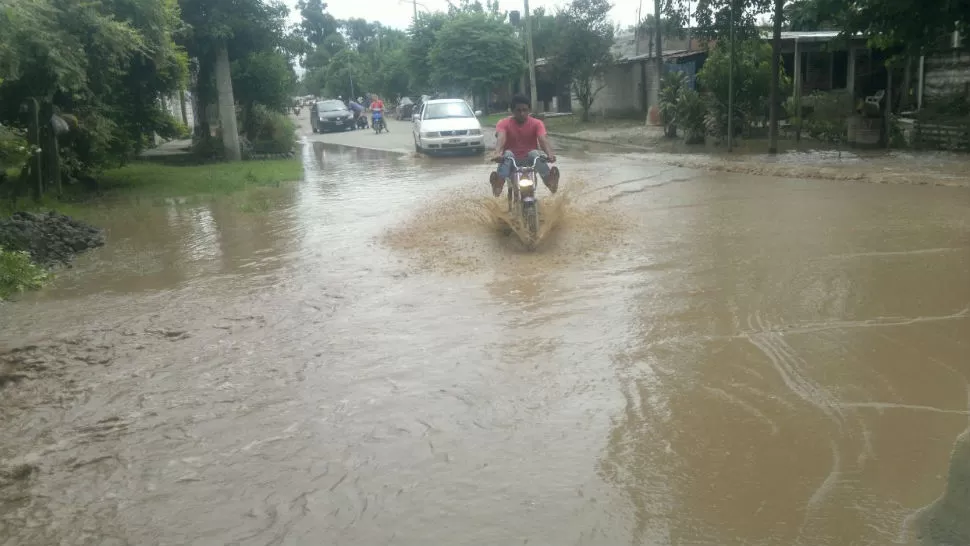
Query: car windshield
column 331, row 106
column 443, row 110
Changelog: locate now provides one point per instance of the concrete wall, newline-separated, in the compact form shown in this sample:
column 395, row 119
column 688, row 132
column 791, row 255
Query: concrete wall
column 171, row 104
column 946, row 74
column 622, row 93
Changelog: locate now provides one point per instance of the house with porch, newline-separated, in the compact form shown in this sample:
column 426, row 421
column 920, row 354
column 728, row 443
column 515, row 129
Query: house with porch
column 631, row 84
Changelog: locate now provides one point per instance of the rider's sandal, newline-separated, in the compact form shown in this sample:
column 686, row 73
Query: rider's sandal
column 552, row 181
column 496, row 183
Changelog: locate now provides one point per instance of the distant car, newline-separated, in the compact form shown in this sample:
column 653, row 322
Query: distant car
column 331, row 115
column 405, row 109
column 447, row 125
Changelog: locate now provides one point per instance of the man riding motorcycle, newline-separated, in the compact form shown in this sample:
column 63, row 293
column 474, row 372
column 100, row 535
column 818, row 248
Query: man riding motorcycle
column 519, row 136
column 377, row 111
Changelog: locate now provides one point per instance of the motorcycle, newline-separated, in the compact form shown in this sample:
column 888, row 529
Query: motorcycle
column 522, row 196
column 378, row 122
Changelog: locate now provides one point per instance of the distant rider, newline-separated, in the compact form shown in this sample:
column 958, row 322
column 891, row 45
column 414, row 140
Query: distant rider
column 360, row 120
column 377, row 111
column 520, row 137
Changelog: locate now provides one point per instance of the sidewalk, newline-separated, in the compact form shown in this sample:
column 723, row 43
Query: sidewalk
column 628, row 133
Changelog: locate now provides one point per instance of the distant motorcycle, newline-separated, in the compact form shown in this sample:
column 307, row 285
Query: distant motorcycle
column 377, row 122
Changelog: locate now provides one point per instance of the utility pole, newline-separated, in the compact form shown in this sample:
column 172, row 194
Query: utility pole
column 730, row 120
column 415, row 4
column 532, row 57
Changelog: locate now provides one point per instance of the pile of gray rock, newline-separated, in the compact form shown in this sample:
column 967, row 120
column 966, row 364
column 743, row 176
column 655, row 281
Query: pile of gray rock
column 50, row 238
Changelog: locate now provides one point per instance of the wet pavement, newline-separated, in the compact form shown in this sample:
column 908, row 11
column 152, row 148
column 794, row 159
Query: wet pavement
column 366, row 357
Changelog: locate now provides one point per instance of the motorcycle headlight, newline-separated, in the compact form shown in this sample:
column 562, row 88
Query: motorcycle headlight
column 525, row 184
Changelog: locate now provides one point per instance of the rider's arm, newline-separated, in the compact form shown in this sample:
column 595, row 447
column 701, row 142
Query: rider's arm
column 500, row 143
column 547, row 147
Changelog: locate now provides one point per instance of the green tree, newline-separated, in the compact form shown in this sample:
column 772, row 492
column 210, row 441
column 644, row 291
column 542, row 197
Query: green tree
column 108, row 63
column 712, row 18
column 316, row 25
column 913, row 27
column 264, row 77
column 474, row 52
column 752, row 81
column 392, row 78
column 219, row 32
column 423, row 33
column 347, row 75
column 584, row 50
column 808, row 15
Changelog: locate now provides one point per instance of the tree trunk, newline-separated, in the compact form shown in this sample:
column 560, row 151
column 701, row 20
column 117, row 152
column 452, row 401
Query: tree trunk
column 227, row 105
column 185, row 116
column 203, row 96
column 773, row 95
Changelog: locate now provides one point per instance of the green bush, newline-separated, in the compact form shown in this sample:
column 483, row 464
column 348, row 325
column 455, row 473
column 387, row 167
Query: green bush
column 670, row 92
column 18, row 273
column 752, row 81
column 269, row 132
column 691, row 115
column 830, row 113
column 170, row 127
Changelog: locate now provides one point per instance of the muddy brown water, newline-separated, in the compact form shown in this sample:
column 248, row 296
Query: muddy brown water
column 689, row 358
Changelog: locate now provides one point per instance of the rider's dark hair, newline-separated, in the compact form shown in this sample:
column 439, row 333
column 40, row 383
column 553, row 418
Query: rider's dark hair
column 520, row 99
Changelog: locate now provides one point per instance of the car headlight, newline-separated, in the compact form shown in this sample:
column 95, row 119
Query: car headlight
column 475, row 132
column 429, row 135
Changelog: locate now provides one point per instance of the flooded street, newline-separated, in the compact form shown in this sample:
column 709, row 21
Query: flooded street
column 366, row 358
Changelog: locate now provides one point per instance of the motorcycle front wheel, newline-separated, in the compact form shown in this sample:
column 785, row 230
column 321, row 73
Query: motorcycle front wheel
column 531, row 217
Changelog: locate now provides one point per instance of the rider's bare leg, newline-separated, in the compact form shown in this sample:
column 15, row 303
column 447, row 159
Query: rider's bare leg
column 497, row 178
column 550, row 176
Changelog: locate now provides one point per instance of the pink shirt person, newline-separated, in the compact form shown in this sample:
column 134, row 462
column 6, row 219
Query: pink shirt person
column 524, row 138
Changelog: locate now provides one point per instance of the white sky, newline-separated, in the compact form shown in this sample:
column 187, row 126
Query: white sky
column 398, row 13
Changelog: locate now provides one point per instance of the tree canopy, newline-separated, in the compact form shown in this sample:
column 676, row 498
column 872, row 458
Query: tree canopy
column 583, row 52
column 474, row 51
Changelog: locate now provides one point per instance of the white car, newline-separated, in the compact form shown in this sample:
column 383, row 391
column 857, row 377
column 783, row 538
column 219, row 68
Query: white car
column 447, row 124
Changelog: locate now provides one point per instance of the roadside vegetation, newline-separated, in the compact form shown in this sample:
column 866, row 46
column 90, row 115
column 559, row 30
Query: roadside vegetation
column 19, row 274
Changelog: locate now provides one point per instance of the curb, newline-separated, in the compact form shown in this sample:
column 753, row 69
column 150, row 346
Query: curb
column 566, row 136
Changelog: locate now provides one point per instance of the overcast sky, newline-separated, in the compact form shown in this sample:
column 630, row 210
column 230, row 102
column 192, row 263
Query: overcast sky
column 398, row 13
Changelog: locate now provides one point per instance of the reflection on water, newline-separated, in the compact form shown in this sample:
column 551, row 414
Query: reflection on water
column 367, row 355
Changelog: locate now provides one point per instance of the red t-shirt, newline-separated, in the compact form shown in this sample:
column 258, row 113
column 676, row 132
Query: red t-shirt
column 377, row 106
column 521, row 139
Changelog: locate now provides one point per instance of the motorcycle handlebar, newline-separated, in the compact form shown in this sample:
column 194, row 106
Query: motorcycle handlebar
column 515, row 164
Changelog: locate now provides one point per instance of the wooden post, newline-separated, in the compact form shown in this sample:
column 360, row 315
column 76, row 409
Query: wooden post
column 33, row 139
column 50, row 153
column 850, row 74
column 531, row 57
column 797, row 91
column 887, row 120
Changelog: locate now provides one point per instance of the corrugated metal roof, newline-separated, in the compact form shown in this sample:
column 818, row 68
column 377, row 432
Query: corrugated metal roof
column 808, row 36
